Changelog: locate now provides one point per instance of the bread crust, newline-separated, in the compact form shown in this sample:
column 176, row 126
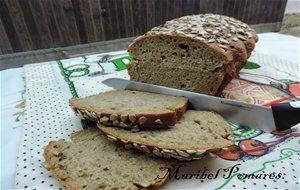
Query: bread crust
column 234, row 45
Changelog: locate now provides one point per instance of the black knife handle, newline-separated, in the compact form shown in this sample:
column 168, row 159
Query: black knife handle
column 286, row 115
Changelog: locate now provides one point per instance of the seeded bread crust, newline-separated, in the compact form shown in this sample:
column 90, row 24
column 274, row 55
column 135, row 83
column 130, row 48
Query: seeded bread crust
column 58, row 161
column 179, row 150
column 231, row 41
column 136, row 120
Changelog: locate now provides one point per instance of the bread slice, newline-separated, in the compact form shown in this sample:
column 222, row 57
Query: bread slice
column 200, row 53
column 90, row 161
column 197, row 133
column 131, row 109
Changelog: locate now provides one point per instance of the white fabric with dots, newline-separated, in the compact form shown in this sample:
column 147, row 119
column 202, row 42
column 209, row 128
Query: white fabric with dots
column 48, row 117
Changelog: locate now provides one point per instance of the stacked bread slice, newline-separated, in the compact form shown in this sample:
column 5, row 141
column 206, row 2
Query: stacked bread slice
column 197, row 133
column 92, row 162
column 130, row 109
column 158, row 128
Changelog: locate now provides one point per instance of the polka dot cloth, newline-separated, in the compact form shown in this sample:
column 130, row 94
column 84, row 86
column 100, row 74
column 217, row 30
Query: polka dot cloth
column 48, row 117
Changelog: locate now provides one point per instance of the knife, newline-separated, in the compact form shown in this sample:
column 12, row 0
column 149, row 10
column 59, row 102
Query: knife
column 277, row 117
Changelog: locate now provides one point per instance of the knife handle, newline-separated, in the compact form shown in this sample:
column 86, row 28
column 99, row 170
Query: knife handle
column 286, row 115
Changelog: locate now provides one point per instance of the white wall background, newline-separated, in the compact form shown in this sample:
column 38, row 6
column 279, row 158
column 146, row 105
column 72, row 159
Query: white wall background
column 293, row 6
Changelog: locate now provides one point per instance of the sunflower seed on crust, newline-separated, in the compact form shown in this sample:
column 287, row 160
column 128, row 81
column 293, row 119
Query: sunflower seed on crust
column 142, row 120
column 200, row 152
column 145, row 149
column 182, row 153
column 121, row 124
column 202, row 32
column 191, row 151
column 199, row 38
column 137, row 146
column 168, row 151
column 113, row 117
column 124, row 141
column 197, row 158
column 194, row 32
column 157, row 153
column 158, row 121
column 241, row 37
column 132, row 118
column 239, row 30
column 211, row 41
column 104, row 119
column 112, row 138
column 212, row 155
column 215, row 32
column 223, row 41
column 124, row 118
column 208, row 30
column 235, row 39
column 89, row 114
column 177, row 157
column 223, row 46
column 249, row 34
column 84, row 114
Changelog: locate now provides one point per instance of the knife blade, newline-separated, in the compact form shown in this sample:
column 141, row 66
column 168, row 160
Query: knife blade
column 240, row 113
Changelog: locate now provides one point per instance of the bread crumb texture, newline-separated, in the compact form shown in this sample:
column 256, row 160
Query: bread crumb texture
column 90, row 161
column 200, row 53
column 131, row 109
column 197, row 131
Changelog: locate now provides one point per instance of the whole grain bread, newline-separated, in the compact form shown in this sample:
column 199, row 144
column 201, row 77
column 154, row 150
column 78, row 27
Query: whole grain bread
column 200, row 53
column 90, row 161
column 131, row 109
column 197, row 133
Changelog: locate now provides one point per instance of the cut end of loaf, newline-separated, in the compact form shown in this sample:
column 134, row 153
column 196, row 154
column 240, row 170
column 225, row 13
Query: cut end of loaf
column 200, row 53
column 177, row 62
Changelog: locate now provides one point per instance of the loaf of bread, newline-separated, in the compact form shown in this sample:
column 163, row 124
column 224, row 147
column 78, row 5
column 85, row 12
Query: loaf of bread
column 131, row 109
column 197, row 133
column 200, row 53
column 90, row 161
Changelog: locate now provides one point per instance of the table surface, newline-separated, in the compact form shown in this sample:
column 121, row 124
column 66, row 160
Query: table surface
column 13, row 98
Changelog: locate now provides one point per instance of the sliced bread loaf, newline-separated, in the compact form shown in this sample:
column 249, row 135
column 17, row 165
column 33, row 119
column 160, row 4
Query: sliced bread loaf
column 131, row 109
column 90, row 161
column 197, row 133
column 200, row 53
